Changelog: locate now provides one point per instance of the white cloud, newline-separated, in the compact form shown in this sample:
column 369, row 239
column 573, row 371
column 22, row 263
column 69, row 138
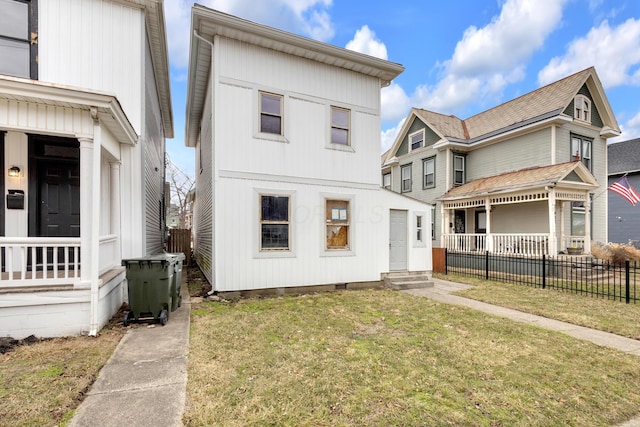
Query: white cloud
column 615, row 52
column 307, row 17
column 388, row 136
column 365, row 41
column 489, row 58
column 630, row 129
column 394, row 103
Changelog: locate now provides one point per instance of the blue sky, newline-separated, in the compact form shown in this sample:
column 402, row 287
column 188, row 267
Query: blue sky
column 461, row 56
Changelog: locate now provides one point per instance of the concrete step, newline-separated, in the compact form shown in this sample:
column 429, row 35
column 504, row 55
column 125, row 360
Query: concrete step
column 408, row 282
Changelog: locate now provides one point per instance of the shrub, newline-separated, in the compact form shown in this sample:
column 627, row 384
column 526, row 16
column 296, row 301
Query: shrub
column 615, row 253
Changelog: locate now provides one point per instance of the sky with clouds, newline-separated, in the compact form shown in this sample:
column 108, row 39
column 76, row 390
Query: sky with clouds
column 460, row 57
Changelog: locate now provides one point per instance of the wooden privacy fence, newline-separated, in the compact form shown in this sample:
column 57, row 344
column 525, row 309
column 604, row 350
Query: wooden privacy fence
column 439, row 259
column 180, row 241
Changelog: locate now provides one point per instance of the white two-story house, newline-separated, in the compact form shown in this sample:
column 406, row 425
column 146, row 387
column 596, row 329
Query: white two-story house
column 85, row 108
column 528, row 176
column 286, row 132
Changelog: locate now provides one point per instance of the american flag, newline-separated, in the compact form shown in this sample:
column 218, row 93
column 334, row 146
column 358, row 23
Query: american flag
column 623, row 188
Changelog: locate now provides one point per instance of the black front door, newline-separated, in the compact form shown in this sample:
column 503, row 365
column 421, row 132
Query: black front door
column 59, row 198
column 54, row 194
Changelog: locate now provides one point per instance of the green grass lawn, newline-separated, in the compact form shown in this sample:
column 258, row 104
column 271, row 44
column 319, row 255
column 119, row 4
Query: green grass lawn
column 584, row 310
column 386, row 358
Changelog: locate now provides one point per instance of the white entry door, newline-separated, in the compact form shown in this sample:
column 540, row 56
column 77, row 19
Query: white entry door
column 398, row 241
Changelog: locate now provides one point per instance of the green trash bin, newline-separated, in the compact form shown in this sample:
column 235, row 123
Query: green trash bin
column 150, row 285
column 177, row 259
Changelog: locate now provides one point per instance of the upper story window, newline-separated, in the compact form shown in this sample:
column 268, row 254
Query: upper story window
column 271, row 113
column 429, row 171
column 458, row 169
column 340, row 123
column 16, row 34
column 582, row 108
column 386, row 181
column 416, row 139
column 405, row 178
column 581, row 150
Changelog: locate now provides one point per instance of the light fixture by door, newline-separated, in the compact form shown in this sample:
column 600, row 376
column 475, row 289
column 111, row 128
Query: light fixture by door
column 14, row 171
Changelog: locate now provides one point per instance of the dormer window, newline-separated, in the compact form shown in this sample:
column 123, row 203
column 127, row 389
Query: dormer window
column 582, row 108
column 416, row 139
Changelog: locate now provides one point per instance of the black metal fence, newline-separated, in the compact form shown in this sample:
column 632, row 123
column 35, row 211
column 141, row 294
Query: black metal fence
column 580, row 275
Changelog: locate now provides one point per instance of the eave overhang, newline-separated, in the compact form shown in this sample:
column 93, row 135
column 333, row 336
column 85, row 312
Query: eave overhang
column 157, row 37
column 207, row 24
column 107, row 106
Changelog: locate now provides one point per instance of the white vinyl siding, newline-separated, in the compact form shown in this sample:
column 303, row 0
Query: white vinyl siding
column 153, row 147
column 94, row 44
column 203, row 208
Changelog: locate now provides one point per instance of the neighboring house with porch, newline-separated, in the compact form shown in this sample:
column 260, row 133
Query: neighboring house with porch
column 624, row 218
column 286, row 132
column 85, row 108
column 528, row 176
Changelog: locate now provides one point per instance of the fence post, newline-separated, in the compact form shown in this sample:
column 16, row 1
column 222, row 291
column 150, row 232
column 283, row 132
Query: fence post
column 446, row 267
column 486, row 265
column 544, row 271
column 627, row 284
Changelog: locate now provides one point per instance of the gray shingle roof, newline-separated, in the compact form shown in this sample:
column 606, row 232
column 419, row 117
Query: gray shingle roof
column 530, row 177
column 624, row 156
column 552, row 98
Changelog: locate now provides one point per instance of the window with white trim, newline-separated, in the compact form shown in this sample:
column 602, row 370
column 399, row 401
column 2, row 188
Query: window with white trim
column 337, row 224
column 274, row 222
column 340, row 124
column 16, row 32
column 582, row 108
column 405, row 178
column 386, row 181
column 419, row 229
column 458, row 169
column 429, row 172
column 416, row 140
column 581, row 150
column 271, row 113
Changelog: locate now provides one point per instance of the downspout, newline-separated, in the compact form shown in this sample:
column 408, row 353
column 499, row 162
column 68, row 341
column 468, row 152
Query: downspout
column 213, row 229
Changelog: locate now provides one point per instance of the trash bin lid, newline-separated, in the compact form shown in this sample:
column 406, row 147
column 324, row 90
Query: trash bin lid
column 178, row 256
column 156, row 258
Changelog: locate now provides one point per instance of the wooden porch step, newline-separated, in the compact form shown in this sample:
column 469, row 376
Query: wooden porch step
column 413, row 281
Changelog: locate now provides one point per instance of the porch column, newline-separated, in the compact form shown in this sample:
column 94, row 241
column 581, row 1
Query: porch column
column 562, row 227
column 489, row 237
column 90, row 220
column 445, row 225
column 114, row 203
column 553, row 238
column 587, row 224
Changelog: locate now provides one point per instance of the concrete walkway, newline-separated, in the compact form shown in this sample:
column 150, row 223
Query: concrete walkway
column 442, row 289
column 144, row 382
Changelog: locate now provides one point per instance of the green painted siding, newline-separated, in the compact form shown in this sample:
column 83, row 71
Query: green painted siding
column 596, row 119
column 416, row 126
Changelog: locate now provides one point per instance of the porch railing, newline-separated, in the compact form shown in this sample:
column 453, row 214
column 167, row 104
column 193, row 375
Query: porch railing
column 39, row 261
column 500, row 243
column 109, row 254
column 573, row 242
column 526, row 244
